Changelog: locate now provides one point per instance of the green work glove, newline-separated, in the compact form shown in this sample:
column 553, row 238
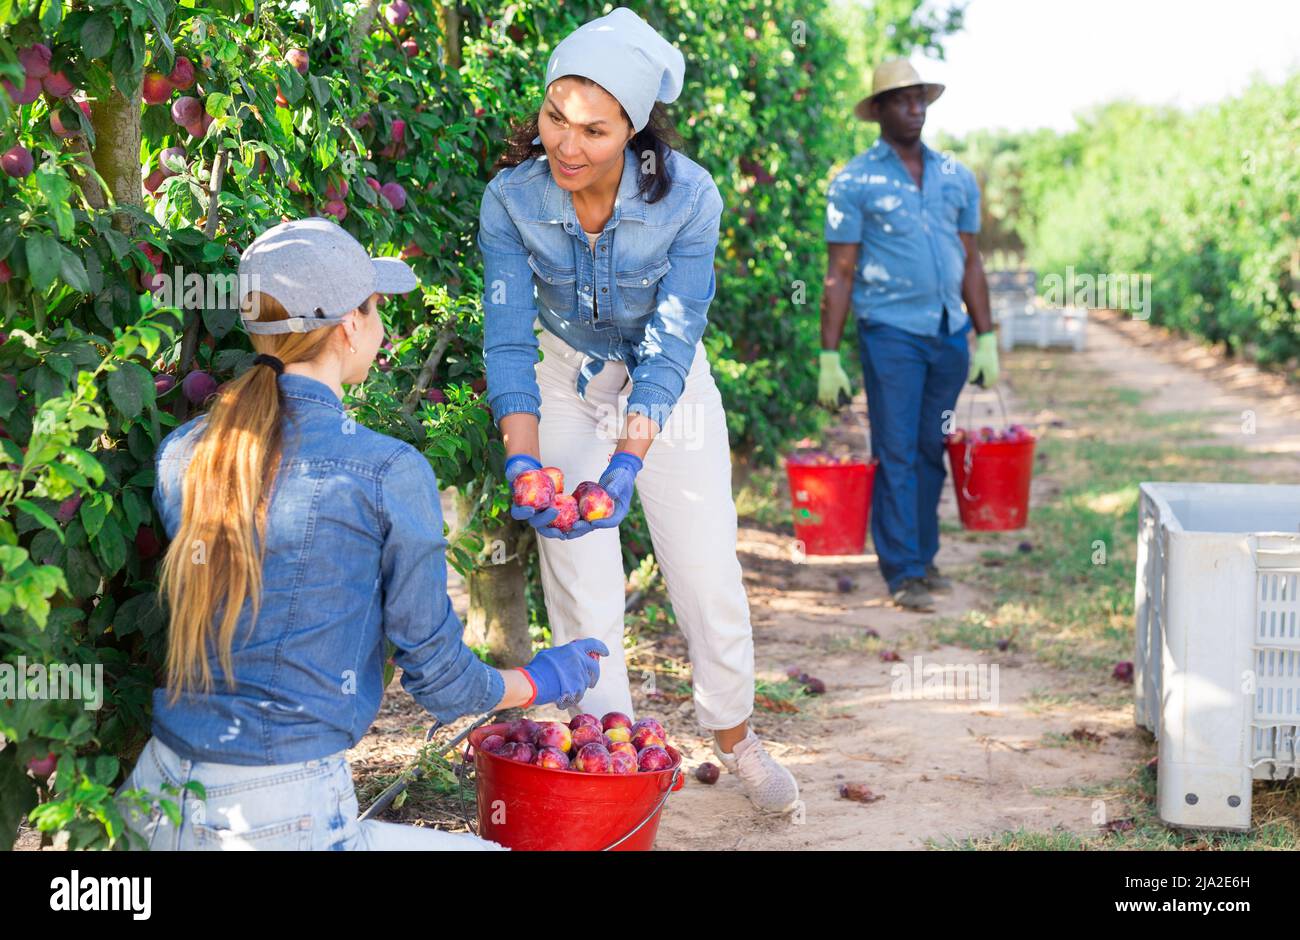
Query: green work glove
column 984, row 363
column 833, row 387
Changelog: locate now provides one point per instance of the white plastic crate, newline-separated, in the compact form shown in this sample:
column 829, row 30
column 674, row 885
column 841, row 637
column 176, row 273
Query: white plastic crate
column 1026, row 323
column 1217, row 670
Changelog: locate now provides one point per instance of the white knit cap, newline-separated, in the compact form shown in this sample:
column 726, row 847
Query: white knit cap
column 624, row 55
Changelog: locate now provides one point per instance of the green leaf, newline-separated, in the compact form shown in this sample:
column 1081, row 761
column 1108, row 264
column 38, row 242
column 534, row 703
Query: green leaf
column 110, row 547
column 126, row 386
column 8, row 398
column 58, row 191
column 159, row 19
column 40, row 515
column 216, row 104
column 97, row 35
column 319, row 90
column 118, row 243
column 93, row 514
column 138, row 510
column 43, row 259
column 101, row 616
column 87, row 464
column 51, row 17
column 220, row 320
column 73, row 271
column 106, row 767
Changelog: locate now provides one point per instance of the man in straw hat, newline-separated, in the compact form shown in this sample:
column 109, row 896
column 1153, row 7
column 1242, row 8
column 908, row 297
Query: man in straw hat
column 901, row 221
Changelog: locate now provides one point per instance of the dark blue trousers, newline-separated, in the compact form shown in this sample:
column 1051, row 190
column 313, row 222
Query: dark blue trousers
column 911, row 381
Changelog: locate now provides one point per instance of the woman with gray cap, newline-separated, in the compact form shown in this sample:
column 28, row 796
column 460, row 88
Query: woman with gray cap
column 310, row 541
column 598, row 228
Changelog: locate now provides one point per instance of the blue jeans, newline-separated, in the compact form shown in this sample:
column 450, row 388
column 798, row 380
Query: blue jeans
column 911, row 381
column 296, row 807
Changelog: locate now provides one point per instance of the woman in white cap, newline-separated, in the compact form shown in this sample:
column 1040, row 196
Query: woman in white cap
column 300, row 543
column 616, row 231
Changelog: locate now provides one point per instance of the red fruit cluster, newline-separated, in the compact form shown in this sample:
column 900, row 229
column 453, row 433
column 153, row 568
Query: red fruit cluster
column 157, row 87
column 188, row 112
column 37, row 77
column 587, row 744
column 1013, row 434
column 819, row 458
column 544, row 489
column 149, row 281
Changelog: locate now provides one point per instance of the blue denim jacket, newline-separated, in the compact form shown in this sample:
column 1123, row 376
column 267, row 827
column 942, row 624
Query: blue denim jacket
column 643, row 298
column 354, row 553
column 912, row 261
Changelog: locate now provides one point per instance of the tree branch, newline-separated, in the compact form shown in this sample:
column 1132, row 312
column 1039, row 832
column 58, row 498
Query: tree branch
column 428, row 370
column 214, row 192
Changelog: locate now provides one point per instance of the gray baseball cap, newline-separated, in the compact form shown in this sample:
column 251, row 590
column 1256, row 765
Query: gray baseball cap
column 318, row 272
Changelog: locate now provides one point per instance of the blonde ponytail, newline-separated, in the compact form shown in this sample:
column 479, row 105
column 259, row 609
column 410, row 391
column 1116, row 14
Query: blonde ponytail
column 214, row 563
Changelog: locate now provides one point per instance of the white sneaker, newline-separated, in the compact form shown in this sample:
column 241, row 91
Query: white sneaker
column 769, row 786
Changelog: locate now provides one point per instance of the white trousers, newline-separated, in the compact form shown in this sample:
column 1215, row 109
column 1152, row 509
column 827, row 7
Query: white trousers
column 685, row 490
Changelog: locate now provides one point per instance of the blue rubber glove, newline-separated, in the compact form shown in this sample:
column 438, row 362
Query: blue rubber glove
column 618, row 481
column 563, row 674
column 537, row 518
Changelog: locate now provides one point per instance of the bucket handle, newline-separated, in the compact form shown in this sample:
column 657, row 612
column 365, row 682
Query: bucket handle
column 674, row 786
column 967, row 451
column 866, row 433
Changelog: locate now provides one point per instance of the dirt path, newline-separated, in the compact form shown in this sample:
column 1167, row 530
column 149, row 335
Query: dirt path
column 1238, row 404
column 951, row 769
column 947, row 769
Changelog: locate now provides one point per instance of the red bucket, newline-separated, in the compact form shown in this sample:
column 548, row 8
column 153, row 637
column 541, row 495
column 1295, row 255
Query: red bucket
column 992, row 481
column 537, row 809
column 832, row 505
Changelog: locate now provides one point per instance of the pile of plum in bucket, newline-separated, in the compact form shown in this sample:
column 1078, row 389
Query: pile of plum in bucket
column 991, row 472
column 593, row 784
column 614, row 744
column 831, row 498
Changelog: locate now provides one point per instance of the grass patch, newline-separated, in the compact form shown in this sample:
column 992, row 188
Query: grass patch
column 762, row 499
column 1125, row 816
column 1068, row 601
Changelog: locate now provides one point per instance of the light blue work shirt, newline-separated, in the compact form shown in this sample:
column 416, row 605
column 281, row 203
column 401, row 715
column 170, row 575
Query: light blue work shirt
column 355, row 554
column 911, row 263
column 641, row 297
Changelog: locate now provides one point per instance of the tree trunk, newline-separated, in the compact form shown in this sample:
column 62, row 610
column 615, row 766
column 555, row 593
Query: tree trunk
column 116, row 118
column 449, row 24
column 498, row 607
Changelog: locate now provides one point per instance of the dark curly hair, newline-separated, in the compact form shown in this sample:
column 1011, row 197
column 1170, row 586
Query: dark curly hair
column 659, row 137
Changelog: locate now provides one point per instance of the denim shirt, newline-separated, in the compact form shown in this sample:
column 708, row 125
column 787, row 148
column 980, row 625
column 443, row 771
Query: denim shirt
column 641, row 297
column 355, row 554
column 912, row 261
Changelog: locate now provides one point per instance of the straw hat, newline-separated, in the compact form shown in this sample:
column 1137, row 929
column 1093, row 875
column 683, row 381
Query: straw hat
column 896, row 73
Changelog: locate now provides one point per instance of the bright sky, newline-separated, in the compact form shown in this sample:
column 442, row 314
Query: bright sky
column 1033, row 63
